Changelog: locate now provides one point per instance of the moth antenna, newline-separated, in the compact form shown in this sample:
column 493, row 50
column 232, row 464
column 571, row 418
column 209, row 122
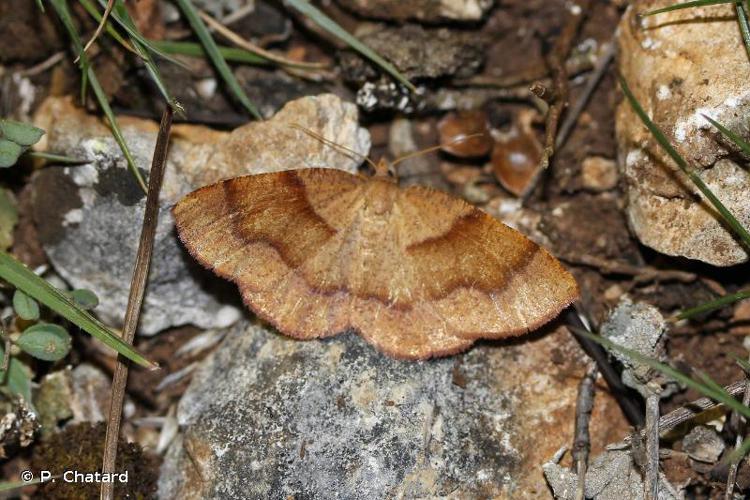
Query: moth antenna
column 433, row 148
column 332, row 144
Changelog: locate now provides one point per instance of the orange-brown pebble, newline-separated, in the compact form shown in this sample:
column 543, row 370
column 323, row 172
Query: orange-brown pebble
column 455, row 126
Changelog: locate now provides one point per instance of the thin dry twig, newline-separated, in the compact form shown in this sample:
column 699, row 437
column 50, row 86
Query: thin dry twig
column 102, row 24
column 651, row 483
column 694, row 408
column 44, row 65
column 6, row 352
column 738, row 423
column 640, row 274
column 135, row 299
column 582, row 439
column 244, row 44
column 556, row 61
column 573, row 66
column 575, row 111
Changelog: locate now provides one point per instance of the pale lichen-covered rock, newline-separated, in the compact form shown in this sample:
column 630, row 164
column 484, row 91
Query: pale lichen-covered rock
column 89, row 216
column 680, row 66
column 271, row 417
column 421, row 10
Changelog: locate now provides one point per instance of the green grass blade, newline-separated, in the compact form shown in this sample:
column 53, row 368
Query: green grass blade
column 727, row 216
column 40, row 5
column 61, row 7
column 714, row 304
column 15, row 485
column 744, row 27
column 736, row 139
column 685, row 5
column 29, row 283
column 121, row 12
column 739, row 453
column 116, row 132
column 744, row 364
column 191, row 49
column 711, row 390
column 52, row 157
column 328, row 24
column 132, row 31
column 216, row 58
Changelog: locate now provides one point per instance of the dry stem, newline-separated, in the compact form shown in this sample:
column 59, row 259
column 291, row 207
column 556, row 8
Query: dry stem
column 135, row 299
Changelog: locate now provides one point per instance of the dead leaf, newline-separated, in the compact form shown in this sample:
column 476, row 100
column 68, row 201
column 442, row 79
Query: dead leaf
column 417, row 272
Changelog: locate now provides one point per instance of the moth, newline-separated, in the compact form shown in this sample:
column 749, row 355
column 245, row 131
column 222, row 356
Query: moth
column 416, row 272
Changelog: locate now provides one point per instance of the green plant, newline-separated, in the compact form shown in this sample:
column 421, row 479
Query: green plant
column 15, row 139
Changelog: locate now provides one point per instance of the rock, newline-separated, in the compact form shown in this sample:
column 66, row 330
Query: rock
column 421, row 10
column 90, row 216
column 703, row 444
column 638, row 327
column 418, row 53
column 271, row 417
column 72, row 395
column 611, row 476
column 681, row 65
column 598, row 174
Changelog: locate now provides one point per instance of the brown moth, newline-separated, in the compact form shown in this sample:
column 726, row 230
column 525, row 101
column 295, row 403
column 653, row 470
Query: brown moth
column 417, row 272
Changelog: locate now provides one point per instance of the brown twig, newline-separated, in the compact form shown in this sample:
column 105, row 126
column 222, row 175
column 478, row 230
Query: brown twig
column 651, row 476
column 102, row 23
column 593, row 81
column 135, row 299
column 242, row 43
column 692, row 409
column 582, row 439
column 6, row 353
column 539, row 72
column 556, row 61
column 44, row 65
column 640, row 274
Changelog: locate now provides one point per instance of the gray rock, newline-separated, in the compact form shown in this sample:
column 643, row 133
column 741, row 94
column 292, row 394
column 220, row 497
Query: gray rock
column 271, row 417
column 703, row 444
column 611, row 476
column 422, row 10
column 90, row 216
column 638, row 327
column 681, row 66
column 418, row 53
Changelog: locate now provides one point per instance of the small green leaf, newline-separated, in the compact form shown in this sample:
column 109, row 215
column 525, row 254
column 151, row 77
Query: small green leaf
column 18, row 275
column 21, row 133
column 8, row 218
column 18, row 378
column 9, row 153
column 86, row 299
column 26, row 307
column 45, row 341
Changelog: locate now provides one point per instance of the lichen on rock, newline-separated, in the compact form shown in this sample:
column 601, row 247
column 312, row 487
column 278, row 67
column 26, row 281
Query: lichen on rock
column 310, row 418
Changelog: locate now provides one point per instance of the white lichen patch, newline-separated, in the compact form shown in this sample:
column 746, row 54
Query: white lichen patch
column 74, row 216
